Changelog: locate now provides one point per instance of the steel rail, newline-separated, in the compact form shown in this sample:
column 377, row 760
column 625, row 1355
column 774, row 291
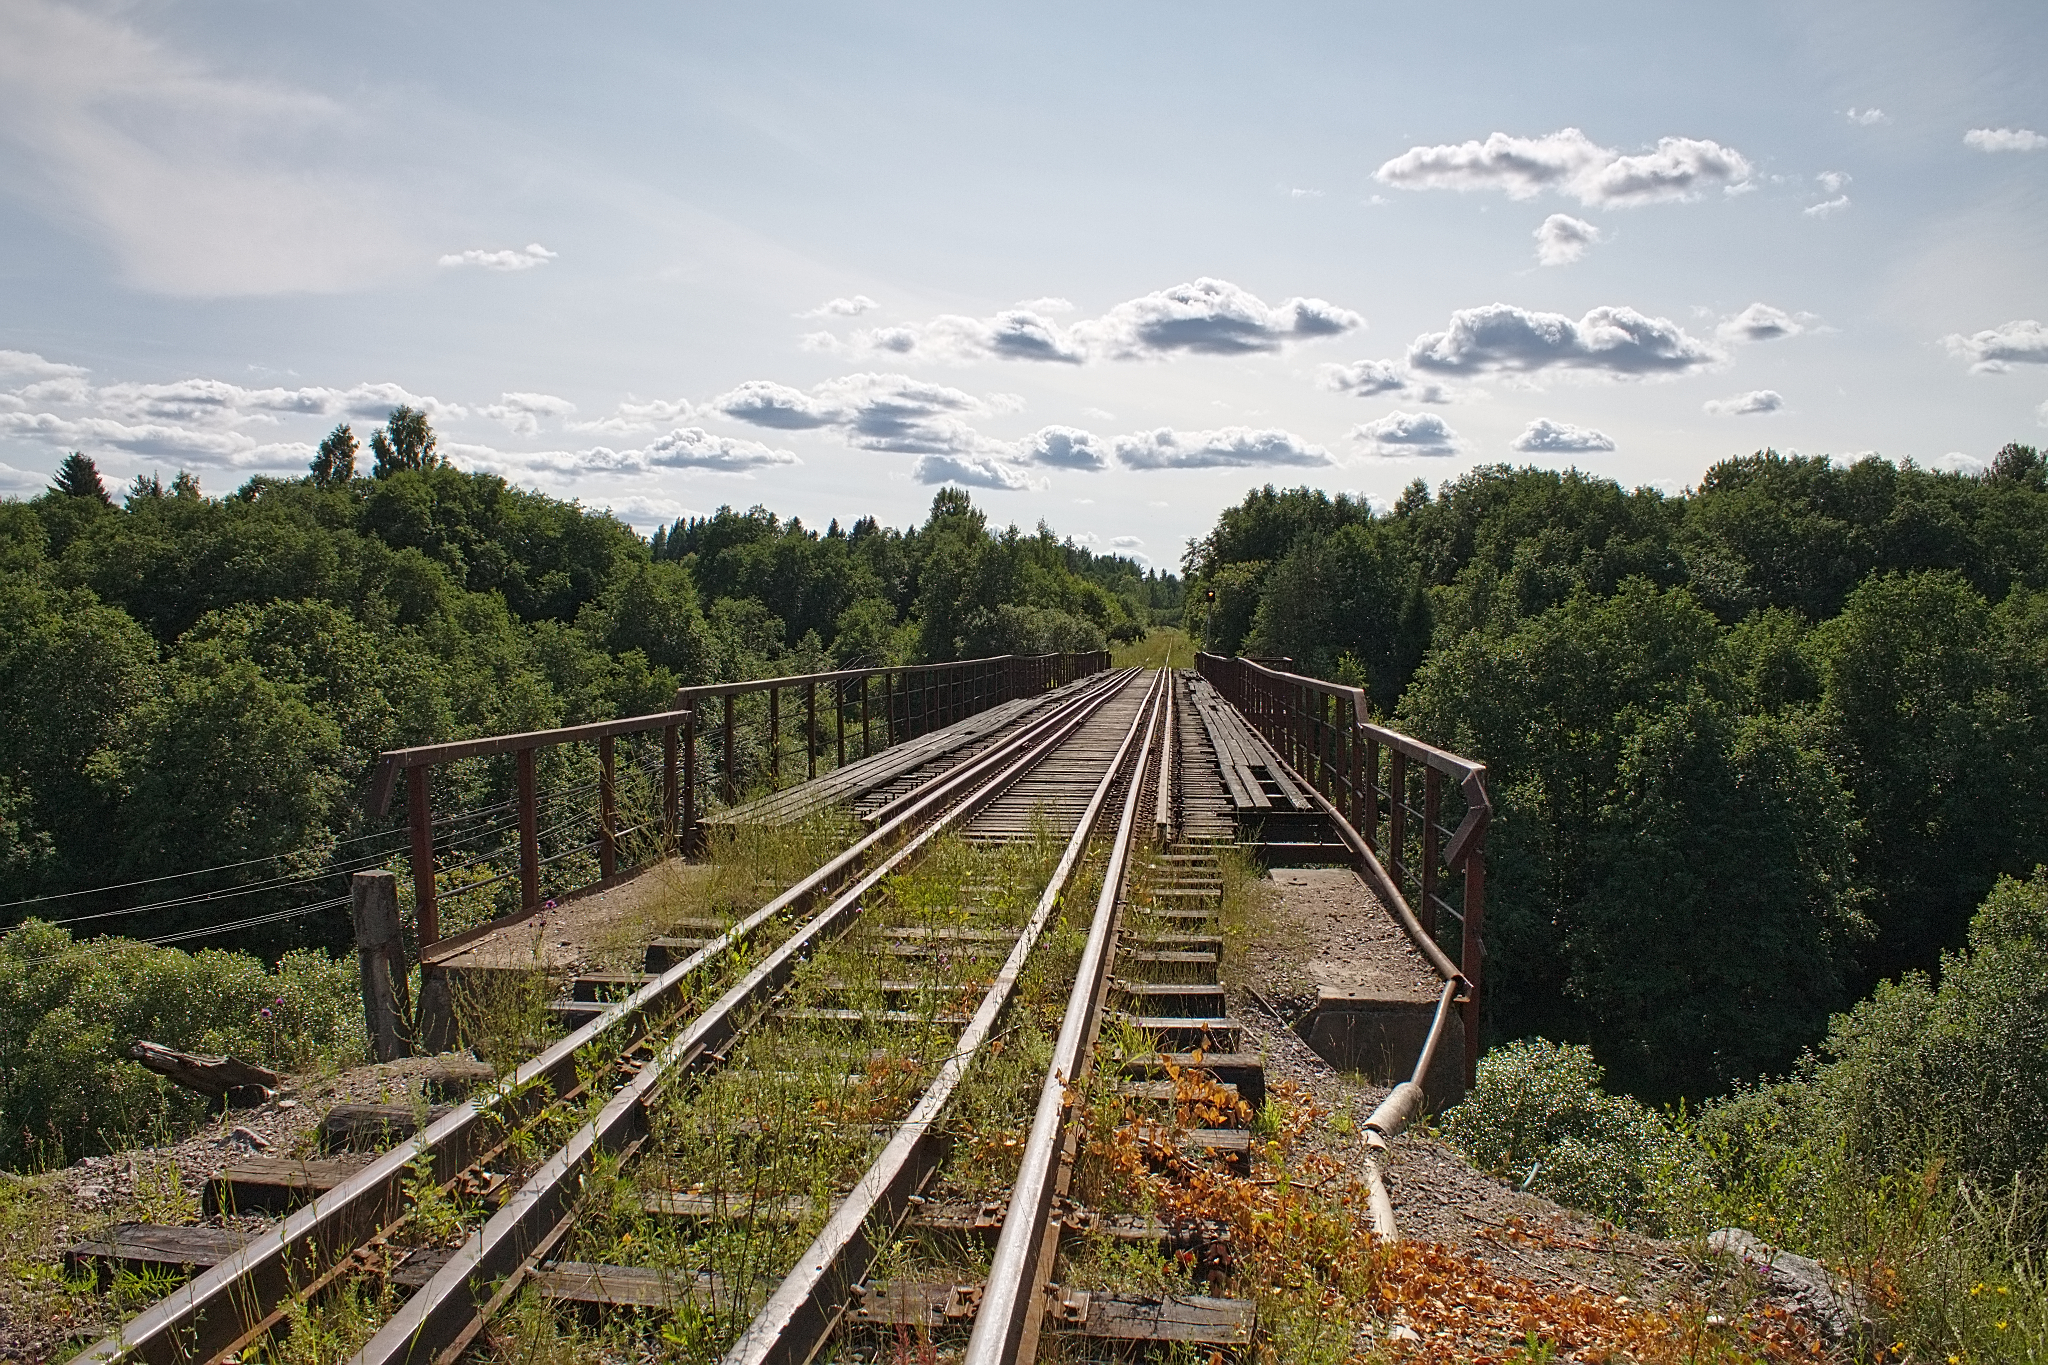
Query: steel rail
column 444, row 1312
column 805, row 1308
column 1014, row 1295
column 211, row 1312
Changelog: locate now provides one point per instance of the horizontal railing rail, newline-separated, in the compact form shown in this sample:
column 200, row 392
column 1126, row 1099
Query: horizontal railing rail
column 714, row 745
column 1375, row 779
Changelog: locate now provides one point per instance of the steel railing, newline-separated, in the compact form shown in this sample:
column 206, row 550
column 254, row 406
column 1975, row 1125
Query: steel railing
column 1389, row 795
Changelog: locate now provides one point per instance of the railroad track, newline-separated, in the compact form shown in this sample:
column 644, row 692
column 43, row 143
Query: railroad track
column 775, row 1101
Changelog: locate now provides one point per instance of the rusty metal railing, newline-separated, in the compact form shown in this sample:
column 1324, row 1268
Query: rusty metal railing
column 715, row 745
column 1374, row 779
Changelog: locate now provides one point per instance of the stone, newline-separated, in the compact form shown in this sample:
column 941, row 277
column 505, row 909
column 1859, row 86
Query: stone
column 1801, row 1281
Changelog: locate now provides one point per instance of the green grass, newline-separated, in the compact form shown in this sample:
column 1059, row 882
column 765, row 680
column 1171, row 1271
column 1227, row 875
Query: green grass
column 1162, row 647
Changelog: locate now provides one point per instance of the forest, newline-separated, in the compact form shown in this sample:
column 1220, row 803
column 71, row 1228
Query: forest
column 205, row 682
column 1753, row 748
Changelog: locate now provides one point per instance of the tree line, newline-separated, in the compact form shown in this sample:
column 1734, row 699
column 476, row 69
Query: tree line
column 1753, row 747
column 198, row 681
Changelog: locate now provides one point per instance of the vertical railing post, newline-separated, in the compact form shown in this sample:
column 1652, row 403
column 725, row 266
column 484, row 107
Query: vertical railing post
column 839, row 720
column 607, row 810
column 774, row 738
column 810, row 729
column 725, row 757
column 419, row 813
column 686, row 836
column 867, row 740
column 1353, row 751
column 671, row 823
column 1432, row 796
column 1472, row 954
column 1397, row 822
column 1371, row 827
column 529, row 831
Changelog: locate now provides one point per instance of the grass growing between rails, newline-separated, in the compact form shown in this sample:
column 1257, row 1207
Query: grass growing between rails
column 744, row 1167
column 1910, row 1156
column 1162, row 647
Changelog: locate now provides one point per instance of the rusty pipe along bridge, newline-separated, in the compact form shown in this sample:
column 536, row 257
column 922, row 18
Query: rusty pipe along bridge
column 785, row 1097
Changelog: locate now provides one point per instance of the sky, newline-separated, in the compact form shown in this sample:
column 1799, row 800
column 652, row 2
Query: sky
column 1108, row 266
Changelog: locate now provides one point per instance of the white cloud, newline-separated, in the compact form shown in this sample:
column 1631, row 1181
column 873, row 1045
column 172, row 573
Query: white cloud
column 2041, row 414
column 29, row 365
column 638, row 510
column 1614, row 341
column 1866, row 117
column 633, row 415
column 1745, row 404
column 200, row 184
column 696, row 448
column 1211, row 317
column 1833, row 182
column 765, row 403
column 1206, row 317
column 1014, row 334
column 526, row 258
column 1827, row 206
column 1408, row 433
column 2021, row 342
column 522, row 413
column 2004, row 140
column 21, row 481
column 1571, row 163
column 1761, row 322
column 1955, row 462
column 1126, row 542
column 683, row 448
column 870, row 411
column 1046, row 305
column 1364, row 378
column 1562, row 239
column 974, row 471
column 1227, row 447
column 842, row 308
column 1546, row 437
column 1064, row 448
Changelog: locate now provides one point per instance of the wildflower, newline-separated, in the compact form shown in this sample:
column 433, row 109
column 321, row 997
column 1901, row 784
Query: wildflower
column 549, row 905
column 265, row 1013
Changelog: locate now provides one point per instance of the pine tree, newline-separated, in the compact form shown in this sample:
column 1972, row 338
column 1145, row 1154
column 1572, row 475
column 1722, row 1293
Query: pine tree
column 406, row 442
column 146, row 488
column 186, row 485
column 79, row 477
column 336, row 461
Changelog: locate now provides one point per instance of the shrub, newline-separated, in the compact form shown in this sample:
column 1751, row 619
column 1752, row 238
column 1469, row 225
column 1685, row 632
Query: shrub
column 1537, row 1113
column 69, row 1009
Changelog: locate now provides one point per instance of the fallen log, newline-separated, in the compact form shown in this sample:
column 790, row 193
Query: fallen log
column 230, row 1080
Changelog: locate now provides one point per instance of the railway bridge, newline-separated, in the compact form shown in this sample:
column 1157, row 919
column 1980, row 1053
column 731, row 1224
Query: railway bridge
column 814, row 1010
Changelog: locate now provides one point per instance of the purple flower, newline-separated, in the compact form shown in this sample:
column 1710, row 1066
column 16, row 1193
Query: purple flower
column 265, row 1013
column 548, row 906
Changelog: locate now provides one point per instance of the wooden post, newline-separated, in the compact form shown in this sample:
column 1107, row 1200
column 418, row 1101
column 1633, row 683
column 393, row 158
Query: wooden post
column 1397, row 822
column 387, row 1004
column 1432, row 796
column 774, row 738
column 839, row 719
column 420, row 814
column 686, row 837
column 732, row 789
column 1472, row 955
column 867, row 739
column 607, row 810
column 1371, row 828
column 669, row 793
column 529, row 832
column 810, row 730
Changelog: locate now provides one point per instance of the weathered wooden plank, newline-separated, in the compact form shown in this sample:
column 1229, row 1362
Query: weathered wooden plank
column 150, row 1248
column 621, row 1286
column 224, row 1078
column 275, row 1184
column 370, row 1127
